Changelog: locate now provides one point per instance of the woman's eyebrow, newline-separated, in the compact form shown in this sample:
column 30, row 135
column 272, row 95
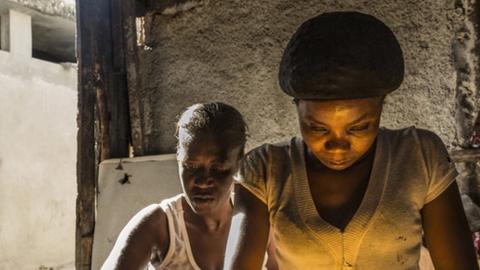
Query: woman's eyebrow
column 318, row 123
column 311, row 119
column 359, row 119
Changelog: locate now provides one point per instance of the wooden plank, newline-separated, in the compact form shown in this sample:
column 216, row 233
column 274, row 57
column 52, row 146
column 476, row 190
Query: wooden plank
column 86, row 164
column 86, row 161
column 465, row 155
column 133, row 79
column 102, row 96
column 117, row 91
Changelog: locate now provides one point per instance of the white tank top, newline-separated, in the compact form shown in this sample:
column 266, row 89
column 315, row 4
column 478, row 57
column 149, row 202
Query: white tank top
column 179, row 254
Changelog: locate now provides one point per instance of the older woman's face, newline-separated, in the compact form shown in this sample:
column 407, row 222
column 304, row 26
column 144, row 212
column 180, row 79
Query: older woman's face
column 339, row 132
column 206, row 166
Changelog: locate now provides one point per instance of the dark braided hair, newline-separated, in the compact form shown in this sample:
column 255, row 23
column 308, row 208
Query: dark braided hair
column 217, row 118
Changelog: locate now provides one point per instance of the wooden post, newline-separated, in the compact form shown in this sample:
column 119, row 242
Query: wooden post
column 86, row 160
column 102, row 97
column 118, row 90
column 130, row 10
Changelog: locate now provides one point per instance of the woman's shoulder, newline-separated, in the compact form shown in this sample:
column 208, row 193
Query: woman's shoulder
column 150, row 218
column 422, row 145
column 263, row 163
column 412, row 136
column 171, row 204
column 268, row 150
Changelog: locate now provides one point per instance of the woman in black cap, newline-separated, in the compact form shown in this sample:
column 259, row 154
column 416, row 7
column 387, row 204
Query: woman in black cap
column 348, row 194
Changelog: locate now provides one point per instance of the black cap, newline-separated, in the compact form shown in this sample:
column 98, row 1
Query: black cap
column 341, row 55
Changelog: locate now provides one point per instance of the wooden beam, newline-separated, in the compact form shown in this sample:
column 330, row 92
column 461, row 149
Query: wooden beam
column 102, row 98
column 465, row 155
column 131, row 8
column 86, row 160
column 118, row 103
column 86, row 166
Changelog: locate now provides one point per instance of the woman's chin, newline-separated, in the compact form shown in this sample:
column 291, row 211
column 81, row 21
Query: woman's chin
column 202, row 205
column 337, row 165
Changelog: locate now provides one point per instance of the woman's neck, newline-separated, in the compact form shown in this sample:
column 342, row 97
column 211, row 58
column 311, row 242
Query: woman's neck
column 211, row 222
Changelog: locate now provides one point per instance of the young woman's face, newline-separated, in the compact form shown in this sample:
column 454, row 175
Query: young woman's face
column 339, row 132
column 206, row 167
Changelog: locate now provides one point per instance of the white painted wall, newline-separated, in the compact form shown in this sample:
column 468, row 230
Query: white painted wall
column 20, row 37
column 38, row 108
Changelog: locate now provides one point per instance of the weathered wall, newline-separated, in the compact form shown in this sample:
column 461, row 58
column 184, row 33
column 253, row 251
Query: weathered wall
column 465, row 52
column 52, row 27
column 230, row 50
column 37, row 164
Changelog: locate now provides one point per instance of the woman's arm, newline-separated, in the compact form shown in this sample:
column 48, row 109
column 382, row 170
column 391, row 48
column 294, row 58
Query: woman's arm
column 447, row 233
column 248, row 234
column 132, row 250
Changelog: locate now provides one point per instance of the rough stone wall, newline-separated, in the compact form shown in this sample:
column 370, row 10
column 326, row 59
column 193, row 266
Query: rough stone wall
column 37, row 164
column 465, row 52
column 229, row 51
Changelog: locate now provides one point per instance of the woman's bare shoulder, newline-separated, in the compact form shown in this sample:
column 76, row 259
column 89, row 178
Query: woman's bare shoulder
column 151, row 220
column 145, row 230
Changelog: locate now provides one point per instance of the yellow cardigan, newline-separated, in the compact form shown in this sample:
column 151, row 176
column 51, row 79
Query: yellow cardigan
column 411, row 168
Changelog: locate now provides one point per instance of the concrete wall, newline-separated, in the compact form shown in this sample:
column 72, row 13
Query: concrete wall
column 62, row 8
column 51, row 28
column 229, row 50
column 20, row 39
column 37, row 164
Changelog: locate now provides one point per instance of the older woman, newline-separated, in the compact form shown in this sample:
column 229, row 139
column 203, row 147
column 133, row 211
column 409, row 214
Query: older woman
column 189, row 231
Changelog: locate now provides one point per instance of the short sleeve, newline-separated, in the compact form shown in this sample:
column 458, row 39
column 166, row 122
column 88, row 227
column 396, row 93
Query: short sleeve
column 441, row 170
column 252, row 173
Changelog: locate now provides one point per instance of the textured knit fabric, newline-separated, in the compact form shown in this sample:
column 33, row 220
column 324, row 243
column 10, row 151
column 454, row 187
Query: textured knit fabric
column 411, row 168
